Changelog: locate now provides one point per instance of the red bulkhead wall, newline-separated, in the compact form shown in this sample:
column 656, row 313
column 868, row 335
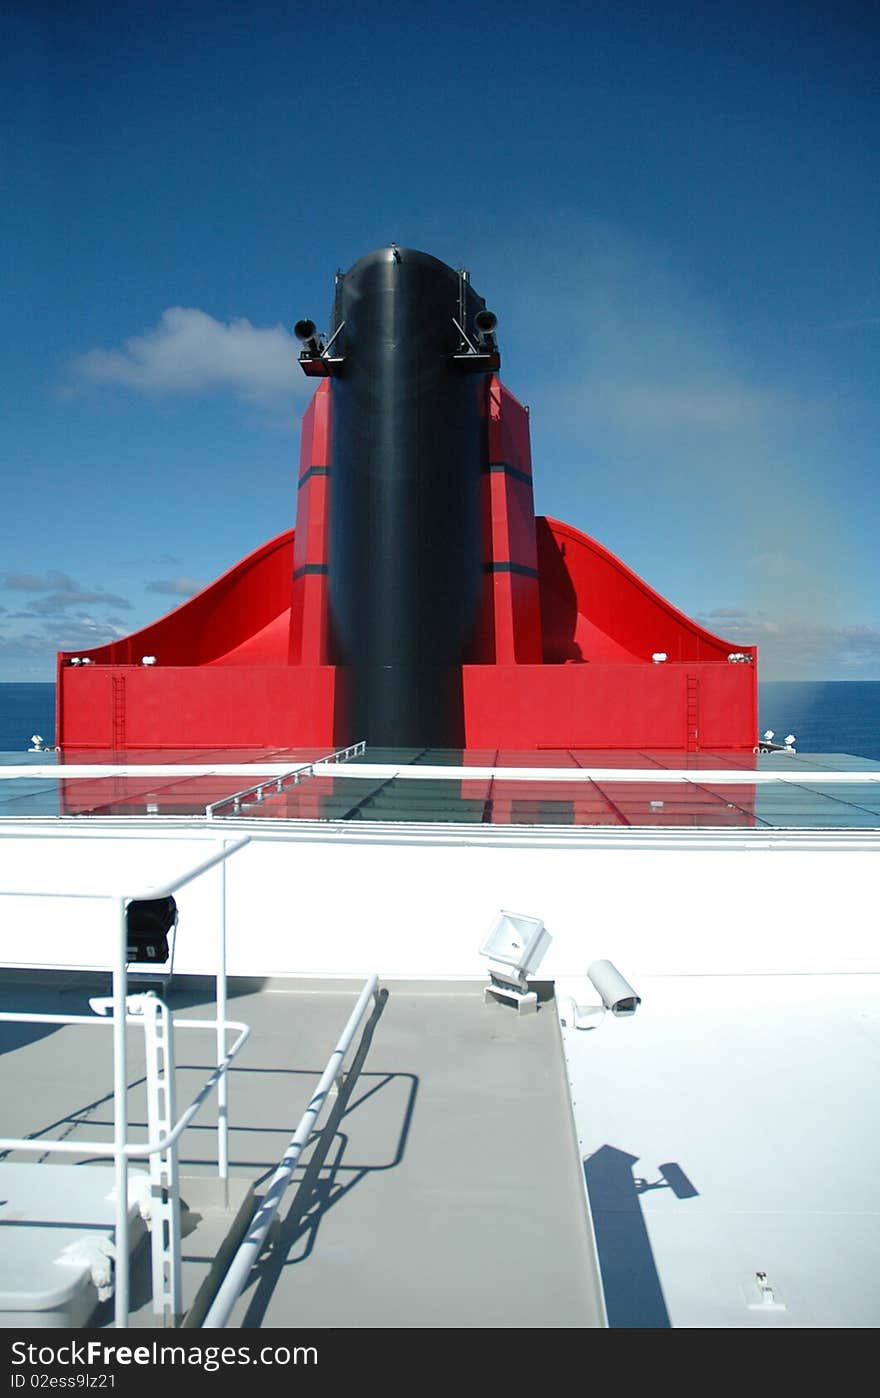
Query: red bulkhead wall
column 561, row 656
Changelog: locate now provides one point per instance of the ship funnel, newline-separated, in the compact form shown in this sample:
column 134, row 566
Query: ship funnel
column 407, row 457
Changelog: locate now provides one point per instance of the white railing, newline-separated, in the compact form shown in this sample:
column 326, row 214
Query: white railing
column 248, row 1253
column 373, row 771
column 122, row 1150
column 274, row 786
column 724, row 776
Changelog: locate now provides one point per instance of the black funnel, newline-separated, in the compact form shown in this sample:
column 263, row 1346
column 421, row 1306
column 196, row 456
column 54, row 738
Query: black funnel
column 408, row 449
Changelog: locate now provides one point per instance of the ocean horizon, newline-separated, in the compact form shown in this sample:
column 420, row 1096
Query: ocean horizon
column 824, row 715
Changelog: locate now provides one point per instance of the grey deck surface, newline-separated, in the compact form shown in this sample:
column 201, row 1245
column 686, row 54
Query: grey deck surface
column 450, row 1195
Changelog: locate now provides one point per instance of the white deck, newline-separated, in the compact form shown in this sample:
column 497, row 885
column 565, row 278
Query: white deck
column 450, row 1195
column 751, row 1065
column 763, row 1090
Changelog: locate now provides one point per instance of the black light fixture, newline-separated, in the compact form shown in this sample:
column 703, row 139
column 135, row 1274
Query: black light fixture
column 483, row 356
column 485, row 323
column 314, row 359
column 307, row 332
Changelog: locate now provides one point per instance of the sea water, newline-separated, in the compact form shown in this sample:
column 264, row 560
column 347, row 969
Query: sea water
column 26, row 709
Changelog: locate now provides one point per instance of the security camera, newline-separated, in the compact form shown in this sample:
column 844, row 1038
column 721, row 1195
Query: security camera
column 617, row 994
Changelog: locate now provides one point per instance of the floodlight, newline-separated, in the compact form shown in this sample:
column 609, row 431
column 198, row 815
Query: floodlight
column 148, row 659
column 515, row 945
column 659, row 656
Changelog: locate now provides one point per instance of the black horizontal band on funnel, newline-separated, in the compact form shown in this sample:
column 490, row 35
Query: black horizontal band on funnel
column 312, row 471
column 510, row 568
column 319, row 568
column 502, row 468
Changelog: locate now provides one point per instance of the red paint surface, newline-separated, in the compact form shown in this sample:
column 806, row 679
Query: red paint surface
column 511, row 598
column 605, row 706
column 261, row 707
column 565, row 657
column 309, row 615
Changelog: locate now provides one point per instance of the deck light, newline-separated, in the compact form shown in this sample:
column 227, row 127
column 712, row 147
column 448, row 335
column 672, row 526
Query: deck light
column 515, row 946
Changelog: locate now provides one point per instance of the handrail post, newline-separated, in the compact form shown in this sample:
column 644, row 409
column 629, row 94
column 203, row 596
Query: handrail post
column 239, row 1270
column 120, row 1114
column 293, row 776
column 222, row 1114
column 120, row 1151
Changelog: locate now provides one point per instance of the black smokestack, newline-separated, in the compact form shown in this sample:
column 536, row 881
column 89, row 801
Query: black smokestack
column 408, row 448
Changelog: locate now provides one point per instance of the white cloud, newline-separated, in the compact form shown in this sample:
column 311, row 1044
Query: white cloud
column 190, row 353
column 61, row 591
column 792, row 648
column 689, row 401
column 61, row 633
column 38, row 582
column 177, row 587
column 643, row 358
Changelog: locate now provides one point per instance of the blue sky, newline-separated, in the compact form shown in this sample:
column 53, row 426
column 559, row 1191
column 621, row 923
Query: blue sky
column 673, row 210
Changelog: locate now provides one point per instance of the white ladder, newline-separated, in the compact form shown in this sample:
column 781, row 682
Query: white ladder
column 164, row 1187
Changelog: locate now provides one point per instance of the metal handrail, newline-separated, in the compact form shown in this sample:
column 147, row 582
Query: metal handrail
column 726, row 776
column 149, row 891
column 121, row 1151
column 293, row 778
column 148, row 1147
column 234, row 1282
column 673, row 776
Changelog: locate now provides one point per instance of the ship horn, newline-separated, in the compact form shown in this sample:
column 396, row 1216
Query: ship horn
column 307, row 332
column 485, row 323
